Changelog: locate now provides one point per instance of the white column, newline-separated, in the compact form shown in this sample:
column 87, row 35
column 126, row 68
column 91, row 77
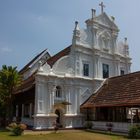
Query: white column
column 22, row 110
column 69, row 106
column 96, row 65
column 51, row 93
column 118, row 67
column 16, row 110
column 67, row 91
column 50, row 102
column 76, row 102
column 99, row 68
column 30, row 110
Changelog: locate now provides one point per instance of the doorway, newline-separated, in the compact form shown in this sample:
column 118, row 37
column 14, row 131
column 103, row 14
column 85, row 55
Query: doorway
column 59, row 117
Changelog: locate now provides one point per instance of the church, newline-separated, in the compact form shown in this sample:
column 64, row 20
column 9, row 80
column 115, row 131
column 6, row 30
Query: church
column 55, row 87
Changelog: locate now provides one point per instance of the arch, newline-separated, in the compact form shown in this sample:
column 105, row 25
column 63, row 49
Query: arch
column 59, row 119
column 58, row 92
column 60, row 67
column 57, row 112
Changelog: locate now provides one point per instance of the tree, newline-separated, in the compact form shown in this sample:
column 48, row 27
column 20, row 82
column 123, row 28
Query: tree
column 9, row 81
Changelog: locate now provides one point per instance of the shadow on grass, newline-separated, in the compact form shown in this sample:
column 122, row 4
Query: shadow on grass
column 3, row 129
column 106, row 133
column 12, row 135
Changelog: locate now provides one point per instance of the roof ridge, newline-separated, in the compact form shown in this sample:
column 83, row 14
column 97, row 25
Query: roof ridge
column 129, row 74
column 34, row 58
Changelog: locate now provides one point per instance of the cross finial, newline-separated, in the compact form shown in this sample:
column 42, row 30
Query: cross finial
column 102, row 7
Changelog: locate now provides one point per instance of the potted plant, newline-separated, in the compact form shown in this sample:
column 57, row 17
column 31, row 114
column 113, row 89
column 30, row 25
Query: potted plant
column 16, row 129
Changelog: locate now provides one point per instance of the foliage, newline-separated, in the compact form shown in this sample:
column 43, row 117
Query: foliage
column 88, row 125
column 9, row 81
column 134, row 131
column 16, row 129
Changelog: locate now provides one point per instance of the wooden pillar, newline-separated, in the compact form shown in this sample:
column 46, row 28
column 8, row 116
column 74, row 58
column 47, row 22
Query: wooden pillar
column 114, row 113
column 22, row 111
column 17, row 110
column 94, row 113
column 30, row 110
column 131, row 117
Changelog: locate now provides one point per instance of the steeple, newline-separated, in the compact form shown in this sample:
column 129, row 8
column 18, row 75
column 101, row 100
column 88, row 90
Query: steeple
column 93, row 13
column 126, row 47
column 76, row 33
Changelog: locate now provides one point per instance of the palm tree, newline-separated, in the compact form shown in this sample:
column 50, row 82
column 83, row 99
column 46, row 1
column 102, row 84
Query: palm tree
column 9, row 81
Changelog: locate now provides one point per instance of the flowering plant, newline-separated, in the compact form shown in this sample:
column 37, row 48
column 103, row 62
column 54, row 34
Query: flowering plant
column 16, row 129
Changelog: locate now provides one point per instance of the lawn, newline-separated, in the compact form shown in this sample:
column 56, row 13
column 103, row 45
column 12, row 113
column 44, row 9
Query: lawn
column 81, row 135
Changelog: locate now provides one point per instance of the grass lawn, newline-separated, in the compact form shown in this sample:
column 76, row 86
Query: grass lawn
column 62, row 136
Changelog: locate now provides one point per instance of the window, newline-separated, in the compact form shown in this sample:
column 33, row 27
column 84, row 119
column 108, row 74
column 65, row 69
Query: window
column 58, row 92
column 105, row 70
column 86, row 69
column 122, row 72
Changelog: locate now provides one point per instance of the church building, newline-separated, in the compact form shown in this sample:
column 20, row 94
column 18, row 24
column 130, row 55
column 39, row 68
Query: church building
column 54, row 87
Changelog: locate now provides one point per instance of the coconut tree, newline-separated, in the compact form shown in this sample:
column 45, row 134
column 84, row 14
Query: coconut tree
column 9, row 81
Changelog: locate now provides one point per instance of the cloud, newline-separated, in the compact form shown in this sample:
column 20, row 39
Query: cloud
column 5, row 50
column 42, row 19
column 35, row 19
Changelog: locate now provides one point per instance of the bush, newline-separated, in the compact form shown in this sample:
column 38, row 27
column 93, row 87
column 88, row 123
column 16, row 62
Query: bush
column 16, row 129
column 134, row 132
column 88, row 125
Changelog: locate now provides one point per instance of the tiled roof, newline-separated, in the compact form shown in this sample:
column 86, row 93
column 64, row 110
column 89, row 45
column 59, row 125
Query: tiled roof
column 26, row 84
column 117, row 91
column 30, row 82
column 36, row 57
column 62, row 53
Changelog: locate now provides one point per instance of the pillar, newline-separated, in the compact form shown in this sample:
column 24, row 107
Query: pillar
column 22, row 110
column 16, row 110
column 30, row 111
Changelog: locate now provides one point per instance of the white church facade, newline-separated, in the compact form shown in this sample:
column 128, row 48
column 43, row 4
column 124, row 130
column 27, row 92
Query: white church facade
column 58, row 85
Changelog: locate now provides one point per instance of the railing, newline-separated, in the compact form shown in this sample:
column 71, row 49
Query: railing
column 59, row 99
column 116, row 126
column 28, row 121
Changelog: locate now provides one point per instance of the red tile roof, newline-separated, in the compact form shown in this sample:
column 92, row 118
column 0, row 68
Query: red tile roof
column 117, row 91
column 30, row 82
column 26, row 84
column 36, row 57
column 62, row 53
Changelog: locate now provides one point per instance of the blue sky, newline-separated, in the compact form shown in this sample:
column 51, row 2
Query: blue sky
column 30, row 26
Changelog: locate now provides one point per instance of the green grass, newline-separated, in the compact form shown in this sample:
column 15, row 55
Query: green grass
column 62, row 136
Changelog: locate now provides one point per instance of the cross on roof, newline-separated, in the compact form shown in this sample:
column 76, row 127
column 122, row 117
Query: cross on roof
column 102, row 6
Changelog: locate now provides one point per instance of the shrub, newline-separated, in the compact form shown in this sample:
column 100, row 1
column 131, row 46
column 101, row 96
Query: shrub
column 134, row 131
column 88, row 125
column 16, row 129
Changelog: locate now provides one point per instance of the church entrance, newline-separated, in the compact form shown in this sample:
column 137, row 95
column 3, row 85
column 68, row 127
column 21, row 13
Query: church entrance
column 59, row 117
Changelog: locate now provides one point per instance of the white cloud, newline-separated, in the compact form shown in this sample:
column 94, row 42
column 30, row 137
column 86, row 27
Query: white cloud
column 42, row 19
column 5, row 50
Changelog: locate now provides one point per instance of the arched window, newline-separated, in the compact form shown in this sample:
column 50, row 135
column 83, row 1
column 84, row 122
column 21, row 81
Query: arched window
column 58, row 92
